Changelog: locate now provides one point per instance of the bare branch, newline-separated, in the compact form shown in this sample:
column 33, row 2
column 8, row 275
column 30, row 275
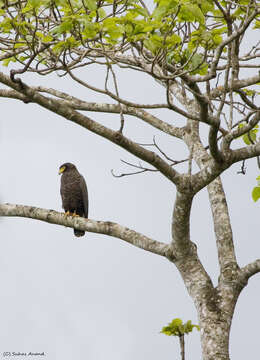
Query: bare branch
column 250, row 269
column 113, row 96
column 241, row 131
column 246, row 100
column 12, row 94
column 181, row 222
column 149, row 118
column 140, row 171
column 162, row 152
column 79, row 223
column 213, row 144
column 14, row 52
column 243, row 168
column 130, row 173
column 237, row 84
column 117, row 94
column 246, row 152
column 176, row 108
column 60, row 107
column 78, row 104
column 211, row 169
column 21, row 71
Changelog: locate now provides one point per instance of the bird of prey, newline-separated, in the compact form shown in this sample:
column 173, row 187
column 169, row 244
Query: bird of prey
column 74, row 193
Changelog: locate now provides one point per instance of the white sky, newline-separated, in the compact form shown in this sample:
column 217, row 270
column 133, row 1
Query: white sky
column 97, row 297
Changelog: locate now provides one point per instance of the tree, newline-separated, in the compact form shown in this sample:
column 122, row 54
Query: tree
column 199, row 54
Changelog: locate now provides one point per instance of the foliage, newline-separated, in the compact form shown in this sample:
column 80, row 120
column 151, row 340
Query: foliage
column 68, row 26
column 198, row 52
column 250, row 137
column 177, row 328
column 182, row 35
column 256, row 190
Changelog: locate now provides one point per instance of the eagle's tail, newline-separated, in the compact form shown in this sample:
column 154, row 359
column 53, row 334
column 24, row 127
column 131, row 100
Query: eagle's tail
column 79, row 233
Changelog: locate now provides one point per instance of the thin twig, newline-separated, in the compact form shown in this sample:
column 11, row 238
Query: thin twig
column 182, row 345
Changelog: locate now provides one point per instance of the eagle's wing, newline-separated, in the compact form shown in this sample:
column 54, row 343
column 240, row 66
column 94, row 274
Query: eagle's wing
column 84, row 192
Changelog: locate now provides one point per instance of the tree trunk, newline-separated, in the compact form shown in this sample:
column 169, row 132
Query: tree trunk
column 216, row 323
column 215, row 337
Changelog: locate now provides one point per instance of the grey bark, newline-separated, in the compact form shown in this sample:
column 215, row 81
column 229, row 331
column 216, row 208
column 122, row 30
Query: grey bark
column 215, row 305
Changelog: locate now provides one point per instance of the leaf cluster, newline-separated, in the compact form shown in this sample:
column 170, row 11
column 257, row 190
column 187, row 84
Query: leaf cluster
column 250, row 137
column 182, row 32
column 177, row 328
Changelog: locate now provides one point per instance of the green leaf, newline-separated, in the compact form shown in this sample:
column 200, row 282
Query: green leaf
column 250, row 137
column 91, row 4
column 164, row 8
column 172, row 40
column 258, row 181
column 256, row 193
column 198, row 15
column 191, row 12
column 19, row 44
column 188, row 327
column 101, row 13
column 6, row 25
column 167, row 330
column 23, row 58
column 217, row 39
column 246, row 139
column 7, row 61
column 31, row 5
column 44, row 38
column 64, row 27
column 112, row 30
column 249, row 92
column 69, row 43
column 197, row 60
column 140, row 10
column 206, row 6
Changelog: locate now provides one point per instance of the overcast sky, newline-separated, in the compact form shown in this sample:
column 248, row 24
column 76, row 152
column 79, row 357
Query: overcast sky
column 96, row 297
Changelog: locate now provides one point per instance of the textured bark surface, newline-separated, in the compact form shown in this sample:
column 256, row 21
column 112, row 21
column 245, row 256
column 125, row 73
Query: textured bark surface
column 215, row 306
column 196, row 99
column 79, row 223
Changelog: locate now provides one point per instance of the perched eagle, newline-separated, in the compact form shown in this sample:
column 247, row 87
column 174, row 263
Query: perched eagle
column 74, row 193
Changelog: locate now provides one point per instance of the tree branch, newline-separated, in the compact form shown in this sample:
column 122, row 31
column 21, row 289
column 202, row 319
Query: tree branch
column 9, row 53
column 250, row 269
column 246, row 152
column 79, row 223
column 241, row 131
column 219, row 208
column 181, row 223
column 237, row 84
column 213, row 144
column 60, row 107
column 153, row 120
column 82, row 105
column 212, row 73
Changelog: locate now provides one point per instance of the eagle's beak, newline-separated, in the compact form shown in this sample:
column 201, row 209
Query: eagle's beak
column 61, row 170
